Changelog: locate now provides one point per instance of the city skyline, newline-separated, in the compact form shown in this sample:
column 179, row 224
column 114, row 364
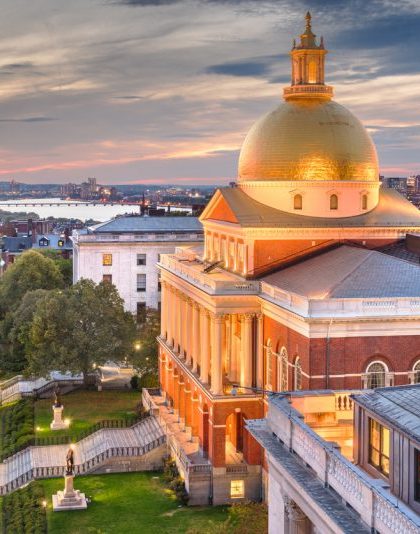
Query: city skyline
column 165, row 91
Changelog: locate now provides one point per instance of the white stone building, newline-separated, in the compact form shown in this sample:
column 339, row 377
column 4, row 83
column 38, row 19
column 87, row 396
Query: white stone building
column 125, row 251
column 340, row 463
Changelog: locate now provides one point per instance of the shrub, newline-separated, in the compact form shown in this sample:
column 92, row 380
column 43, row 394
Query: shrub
column 134, row 382
column 23, row 512
column 16, row 426
column 174, row 481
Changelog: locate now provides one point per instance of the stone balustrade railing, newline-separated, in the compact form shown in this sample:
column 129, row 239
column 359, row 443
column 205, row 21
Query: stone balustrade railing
column 370, row 497
column 93, row 238
column 91, row 452
column 19, row 386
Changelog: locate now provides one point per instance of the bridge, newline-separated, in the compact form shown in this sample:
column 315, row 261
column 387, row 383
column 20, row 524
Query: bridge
column 29, row 204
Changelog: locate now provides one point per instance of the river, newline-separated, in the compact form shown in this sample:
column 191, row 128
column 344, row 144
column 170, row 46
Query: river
column 75, row 211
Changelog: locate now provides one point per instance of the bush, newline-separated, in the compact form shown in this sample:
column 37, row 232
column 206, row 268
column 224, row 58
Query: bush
column 134, row 382
column 16, row 426
column 23, row 512
column 174, row 481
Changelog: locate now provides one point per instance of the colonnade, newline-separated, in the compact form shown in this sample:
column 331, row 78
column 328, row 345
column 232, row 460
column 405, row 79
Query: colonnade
column 218, row 347
column 231, row 250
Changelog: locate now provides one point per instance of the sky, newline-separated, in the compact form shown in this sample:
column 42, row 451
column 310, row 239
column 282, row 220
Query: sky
column 164, row 91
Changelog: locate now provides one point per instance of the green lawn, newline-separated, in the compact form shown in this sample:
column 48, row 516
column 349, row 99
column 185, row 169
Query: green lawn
column 129, row 503
column 84, row 408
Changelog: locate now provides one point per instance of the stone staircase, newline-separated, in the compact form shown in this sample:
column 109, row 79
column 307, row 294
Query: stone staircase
column 105, row 447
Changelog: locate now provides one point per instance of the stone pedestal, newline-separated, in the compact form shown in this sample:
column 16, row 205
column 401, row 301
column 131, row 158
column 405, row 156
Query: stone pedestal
column 57, row 422
column 69, row 498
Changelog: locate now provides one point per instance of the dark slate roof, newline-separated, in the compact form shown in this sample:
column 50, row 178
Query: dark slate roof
column 53, row 239
column 392, row 210
column 311, row 487
column 349, row 272
column 399, row 250
column 17, row 244
column 149, row 224
column 399, row 406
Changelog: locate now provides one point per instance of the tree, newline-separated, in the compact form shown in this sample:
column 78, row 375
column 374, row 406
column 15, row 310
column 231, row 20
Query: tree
column 32, row 270
column 145, row 355
column 78, row 328
column 65, row 265
column 15, row 329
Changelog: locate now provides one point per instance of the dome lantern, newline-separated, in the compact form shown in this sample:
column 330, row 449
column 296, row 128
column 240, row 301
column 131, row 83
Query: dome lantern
column 308, row 67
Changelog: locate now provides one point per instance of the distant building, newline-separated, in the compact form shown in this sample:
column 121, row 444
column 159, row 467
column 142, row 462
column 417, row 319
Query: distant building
column 332, row 470
column 125, row 251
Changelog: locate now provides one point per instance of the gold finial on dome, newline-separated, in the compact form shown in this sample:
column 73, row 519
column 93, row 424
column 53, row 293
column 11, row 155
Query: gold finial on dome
column 308, row 67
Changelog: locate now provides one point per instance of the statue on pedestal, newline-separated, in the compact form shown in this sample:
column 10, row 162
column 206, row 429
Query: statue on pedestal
column 57, row 397
column 69, row 462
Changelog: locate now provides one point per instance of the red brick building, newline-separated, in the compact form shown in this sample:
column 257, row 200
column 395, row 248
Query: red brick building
column 301, row 285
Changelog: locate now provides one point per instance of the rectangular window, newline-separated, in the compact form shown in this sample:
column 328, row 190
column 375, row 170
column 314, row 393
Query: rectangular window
column 237, row 489
column 141, row 259
column 107, row 278
column 107, row 259
column 141, row 282
column 379, row 442
column 417, row 475
column 159, row 284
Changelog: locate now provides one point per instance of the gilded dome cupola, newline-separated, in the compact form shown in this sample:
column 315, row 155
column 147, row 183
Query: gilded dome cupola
column 310, row 145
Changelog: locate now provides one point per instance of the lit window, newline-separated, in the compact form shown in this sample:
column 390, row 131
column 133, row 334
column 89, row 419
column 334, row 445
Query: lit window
column 107, row 259
column 333, row 202
column 379, row 446
column 364, row 202
column 269, row 367
column 141, row 259
column 376, row 375
column 141, row 282
column 107, row 278
column 312, row 72
column 417, row 476
column 416, row 373
column 237, row 489
column 298, row 374
column 297, row 202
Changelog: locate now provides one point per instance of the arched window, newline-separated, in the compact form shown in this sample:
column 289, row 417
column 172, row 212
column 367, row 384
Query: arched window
column 298, row 374
column 416, row 373
column 282, row 371
column 312, row 72
column 297, row 202
column 364, row 202
column 268, row 366
column 333, row 202
column 376, row 372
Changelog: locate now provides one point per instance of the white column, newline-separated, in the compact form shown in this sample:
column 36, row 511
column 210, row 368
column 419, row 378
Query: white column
column 216, row 354
column 163, row 313
column 170, row 314
column 228, row 346
column 187, row 330
column 260, row 350
column 205, row 346
column 195, row 336
column 245, row 249
column 246, row 356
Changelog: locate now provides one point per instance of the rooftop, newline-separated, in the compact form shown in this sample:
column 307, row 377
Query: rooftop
column 398, row 405
column 349, row 272
column 393, row 210
column 149, row 224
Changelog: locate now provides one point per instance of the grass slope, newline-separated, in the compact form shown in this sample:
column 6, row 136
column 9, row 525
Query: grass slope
column 84, row 408
column 129, row 503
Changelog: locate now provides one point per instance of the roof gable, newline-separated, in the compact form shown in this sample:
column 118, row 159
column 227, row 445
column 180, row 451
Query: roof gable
column 219, row 210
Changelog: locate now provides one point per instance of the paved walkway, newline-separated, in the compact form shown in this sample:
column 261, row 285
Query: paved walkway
column 37, row 462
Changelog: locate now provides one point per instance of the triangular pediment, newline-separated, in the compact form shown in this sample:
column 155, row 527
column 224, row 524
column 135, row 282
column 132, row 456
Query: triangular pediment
column 218, row 209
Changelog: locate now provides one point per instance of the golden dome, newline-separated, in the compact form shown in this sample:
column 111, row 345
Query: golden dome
column 308, row 139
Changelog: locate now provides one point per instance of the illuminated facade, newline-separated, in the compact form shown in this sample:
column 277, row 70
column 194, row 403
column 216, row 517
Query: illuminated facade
column 293, row 289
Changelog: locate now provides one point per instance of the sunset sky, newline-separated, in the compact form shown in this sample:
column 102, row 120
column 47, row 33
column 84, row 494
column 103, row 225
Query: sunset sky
column 165, row 90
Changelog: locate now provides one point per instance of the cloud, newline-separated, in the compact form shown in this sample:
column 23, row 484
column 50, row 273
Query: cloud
column 245, row 68
column 30, row 119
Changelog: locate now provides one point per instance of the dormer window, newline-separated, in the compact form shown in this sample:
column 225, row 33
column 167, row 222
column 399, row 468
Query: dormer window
column 43, row 242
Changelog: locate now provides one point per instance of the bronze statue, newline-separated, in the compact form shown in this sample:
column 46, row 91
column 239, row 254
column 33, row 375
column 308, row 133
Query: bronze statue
column 69, row 462
column 57, row 399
